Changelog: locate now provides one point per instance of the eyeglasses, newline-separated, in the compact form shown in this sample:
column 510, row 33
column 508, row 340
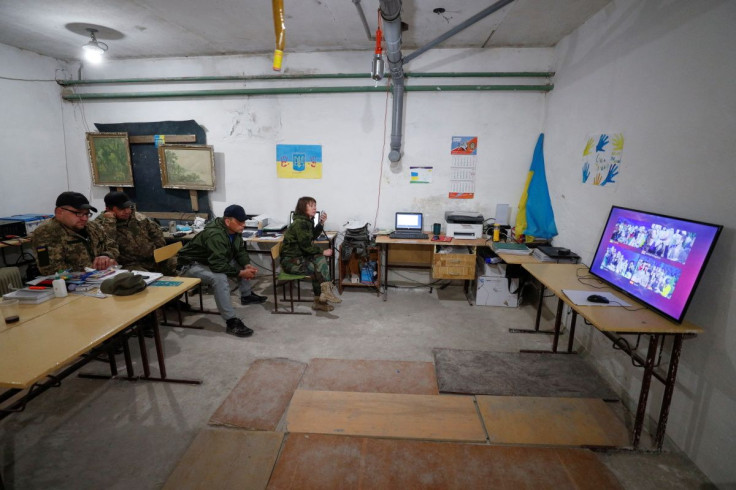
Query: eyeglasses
column 78, row 214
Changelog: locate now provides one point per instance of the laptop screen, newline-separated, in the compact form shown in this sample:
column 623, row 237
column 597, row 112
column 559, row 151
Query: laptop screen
column 408, row 221
column 316, row 218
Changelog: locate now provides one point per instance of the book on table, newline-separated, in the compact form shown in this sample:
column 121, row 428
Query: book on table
column 511, row 248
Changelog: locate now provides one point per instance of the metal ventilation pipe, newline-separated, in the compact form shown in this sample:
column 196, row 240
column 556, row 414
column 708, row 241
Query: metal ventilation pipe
column 390, row 12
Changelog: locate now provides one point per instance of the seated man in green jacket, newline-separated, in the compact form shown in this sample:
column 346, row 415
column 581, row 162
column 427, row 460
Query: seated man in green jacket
column 217, row 253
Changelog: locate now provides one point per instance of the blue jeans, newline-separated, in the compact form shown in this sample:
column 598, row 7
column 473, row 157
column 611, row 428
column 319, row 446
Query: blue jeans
column 220, row 284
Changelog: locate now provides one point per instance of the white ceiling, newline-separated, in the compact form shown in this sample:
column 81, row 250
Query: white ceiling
column 171, row 28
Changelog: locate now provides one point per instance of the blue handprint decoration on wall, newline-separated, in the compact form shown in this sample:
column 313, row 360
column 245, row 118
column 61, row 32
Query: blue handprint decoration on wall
column 602, row 160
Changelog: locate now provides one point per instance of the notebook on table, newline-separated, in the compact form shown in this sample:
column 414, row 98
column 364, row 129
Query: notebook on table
column 408, row 226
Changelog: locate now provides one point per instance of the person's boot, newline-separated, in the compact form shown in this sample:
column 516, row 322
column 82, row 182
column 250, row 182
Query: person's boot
column 327, row 294
column 236, row 327
column 322, row 305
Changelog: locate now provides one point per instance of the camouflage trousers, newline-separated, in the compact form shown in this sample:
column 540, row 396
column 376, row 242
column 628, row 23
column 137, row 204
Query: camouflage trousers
column 312, row 265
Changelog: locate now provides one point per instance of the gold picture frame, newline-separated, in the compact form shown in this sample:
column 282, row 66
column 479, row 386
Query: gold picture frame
column 109, row 159
column 187, row 167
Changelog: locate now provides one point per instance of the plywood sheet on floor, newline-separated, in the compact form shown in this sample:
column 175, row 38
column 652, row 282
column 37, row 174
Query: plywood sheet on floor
column 260, row 398
column 551, row 421
column 375, row 376
column 226, row 458
column 439, row 417
column 316, row 461
column 517, row 374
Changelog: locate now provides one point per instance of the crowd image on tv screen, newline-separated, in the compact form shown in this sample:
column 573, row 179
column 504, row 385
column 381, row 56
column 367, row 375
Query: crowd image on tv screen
column 659, row 241
column 642, row 267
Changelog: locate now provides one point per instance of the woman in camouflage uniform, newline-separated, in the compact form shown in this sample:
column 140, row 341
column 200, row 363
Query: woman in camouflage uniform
column 300, row 256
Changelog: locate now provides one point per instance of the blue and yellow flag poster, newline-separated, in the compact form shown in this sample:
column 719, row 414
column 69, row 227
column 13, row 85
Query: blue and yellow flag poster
column 536, row 218
column 299, row 161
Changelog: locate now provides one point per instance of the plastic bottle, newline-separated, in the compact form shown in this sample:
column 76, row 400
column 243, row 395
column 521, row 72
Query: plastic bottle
column 59, row 286
column 496, row 232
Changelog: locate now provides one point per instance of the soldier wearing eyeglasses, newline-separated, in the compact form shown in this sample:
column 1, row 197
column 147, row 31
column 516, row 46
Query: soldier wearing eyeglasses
column 70, row 241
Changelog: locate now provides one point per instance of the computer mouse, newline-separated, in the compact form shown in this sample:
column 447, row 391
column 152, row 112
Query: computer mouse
column 597, row 298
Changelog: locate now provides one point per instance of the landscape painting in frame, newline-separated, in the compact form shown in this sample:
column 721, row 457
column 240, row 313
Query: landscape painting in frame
column 187, row 167
column 109, row 159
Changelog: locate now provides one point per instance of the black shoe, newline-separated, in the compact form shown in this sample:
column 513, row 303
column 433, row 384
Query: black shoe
column 253, row 299
column 236, row 327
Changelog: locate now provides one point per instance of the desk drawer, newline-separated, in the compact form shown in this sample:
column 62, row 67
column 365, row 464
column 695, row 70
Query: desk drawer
column 453, row 266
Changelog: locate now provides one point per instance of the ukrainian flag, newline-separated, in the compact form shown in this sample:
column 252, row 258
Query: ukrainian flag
column 535, row 217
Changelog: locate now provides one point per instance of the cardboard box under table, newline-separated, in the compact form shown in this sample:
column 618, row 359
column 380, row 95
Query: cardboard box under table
column 493, row 288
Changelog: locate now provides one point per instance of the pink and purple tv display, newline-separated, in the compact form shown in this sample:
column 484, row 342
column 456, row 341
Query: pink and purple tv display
column 656, row 259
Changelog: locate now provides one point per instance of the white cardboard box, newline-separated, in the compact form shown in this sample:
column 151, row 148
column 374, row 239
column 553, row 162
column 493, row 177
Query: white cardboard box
column 493, row 288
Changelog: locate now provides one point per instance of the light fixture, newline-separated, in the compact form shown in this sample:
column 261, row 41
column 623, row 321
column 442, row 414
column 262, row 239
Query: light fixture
column 94, row 49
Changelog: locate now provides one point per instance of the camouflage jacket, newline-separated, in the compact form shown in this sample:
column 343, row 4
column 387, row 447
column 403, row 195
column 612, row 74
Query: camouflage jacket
column 212, row 247
column 299, row 237
column 60, row 248
column 136, row 238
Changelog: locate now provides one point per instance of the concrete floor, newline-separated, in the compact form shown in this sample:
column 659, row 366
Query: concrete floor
column 116, row 434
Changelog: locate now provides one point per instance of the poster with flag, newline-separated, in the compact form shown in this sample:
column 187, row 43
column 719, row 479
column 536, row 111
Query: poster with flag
column 535, row 217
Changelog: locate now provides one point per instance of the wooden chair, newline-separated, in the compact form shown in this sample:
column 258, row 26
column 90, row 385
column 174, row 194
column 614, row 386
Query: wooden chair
column 280, row 280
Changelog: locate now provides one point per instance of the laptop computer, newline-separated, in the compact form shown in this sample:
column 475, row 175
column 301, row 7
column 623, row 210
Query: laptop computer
column 409, row 226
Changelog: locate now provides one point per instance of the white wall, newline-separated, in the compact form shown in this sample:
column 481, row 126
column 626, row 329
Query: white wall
column 662, row 73
column 350, row 127
column 33, row 163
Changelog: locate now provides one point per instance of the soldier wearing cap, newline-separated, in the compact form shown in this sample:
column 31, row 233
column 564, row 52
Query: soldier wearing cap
column 136, row 236
column 69, row 241
column 218, row 253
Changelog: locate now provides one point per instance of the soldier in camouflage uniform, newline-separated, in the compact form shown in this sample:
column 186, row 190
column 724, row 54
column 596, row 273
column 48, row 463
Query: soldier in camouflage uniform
column 69, row 241
column 135, row 235
column 300, row 256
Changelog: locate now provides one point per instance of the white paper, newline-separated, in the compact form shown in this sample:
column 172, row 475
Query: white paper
column 580, row 298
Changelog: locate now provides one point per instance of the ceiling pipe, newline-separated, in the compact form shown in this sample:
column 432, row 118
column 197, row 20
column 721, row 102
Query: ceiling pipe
column 306, row 76
column 463, row 25
column 359, row 8
column 298, row 91
column 390, row 13
column 279, row 27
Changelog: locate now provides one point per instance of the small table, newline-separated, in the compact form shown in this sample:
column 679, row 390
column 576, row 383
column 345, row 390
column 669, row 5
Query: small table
column 611, row 320
column 465, row 268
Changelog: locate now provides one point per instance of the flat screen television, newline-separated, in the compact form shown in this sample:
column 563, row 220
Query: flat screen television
column 657, row 259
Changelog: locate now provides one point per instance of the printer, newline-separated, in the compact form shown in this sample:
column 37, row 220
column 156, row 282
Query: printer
column 464, row 224
column 255, row 220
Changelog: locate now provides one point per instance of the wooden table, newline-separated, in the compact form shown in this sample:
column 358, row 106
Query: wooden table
column 612, row 320
column 12, row 242
column 58, row 334
column 427, row 244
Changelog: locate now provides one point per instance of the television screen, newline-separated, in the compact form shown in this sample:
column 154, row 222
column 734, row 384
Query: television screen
column 657, row 259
